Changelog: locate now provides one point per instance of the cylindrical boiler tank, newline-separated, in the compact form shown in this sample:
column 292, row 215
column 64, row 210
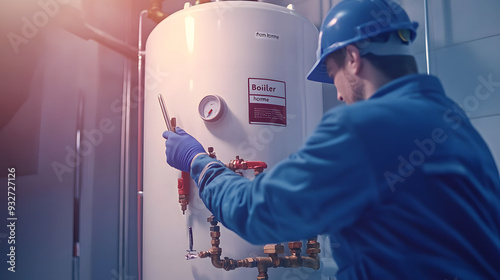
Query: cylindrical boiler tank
column 251, row 58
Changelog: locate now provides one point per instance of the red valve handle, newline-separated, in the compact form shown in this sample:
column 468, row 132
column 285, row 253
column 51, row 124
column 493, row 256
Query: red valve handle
column 256, row 164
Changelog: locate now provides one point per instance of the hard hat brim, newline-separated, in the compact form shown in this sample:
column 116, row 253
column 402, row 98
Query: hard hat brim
column 319, row 73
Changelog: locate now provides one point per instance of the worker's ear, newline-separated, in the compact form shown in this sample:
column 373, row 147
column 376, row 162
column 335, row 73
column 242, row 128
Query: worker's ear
column 353, row 62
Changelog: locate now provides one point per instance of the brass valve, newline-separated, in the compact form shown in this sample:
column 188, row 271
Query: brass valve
column 211, row 152
column 274, row 249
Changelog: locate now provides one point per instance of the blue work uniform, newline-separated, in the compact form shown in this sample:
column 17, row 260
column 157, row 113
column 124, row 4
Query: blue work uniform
column 402, row 182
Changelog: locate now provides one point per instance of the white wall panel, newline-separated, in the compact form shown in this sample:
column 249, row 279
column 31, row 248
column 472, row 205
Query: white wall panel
column 471, row 76
column 415, row 10
column 459, row 21
column 488, row 128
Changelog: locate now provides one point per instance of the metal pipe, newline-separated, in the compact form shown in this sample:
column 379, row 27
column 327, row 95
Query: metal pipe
column 155, row 12
column 124, row 171
column 111, row 42
column 263, row 263
column 427, row 39
column 77, row 191
column 71, row 19
column 125, row 163
column 311, row 263
column 140, row 119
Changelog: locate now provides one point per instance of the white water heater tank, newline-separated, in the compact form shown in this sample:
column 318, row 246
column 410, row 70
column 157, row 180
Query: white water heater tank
column 233, row 75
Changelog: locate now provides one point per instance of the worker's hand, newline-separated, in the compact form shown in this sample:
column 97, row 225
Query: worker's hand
column 181, row 148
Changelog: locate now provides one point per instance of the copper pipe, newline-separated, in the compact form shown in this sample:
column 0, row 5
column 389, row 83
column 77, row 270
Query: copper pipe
column 263, row 263
column 155, row 12
column 262, row 273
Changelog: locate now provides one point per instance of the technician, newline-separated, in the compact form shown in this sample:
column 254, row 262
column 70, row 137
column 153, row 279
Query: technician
column 399, row 179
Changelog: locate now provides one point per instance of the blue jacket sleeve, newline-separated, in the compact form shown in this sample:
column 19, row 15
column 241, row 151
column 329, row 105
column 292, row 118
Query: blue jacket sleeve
column 320, row 188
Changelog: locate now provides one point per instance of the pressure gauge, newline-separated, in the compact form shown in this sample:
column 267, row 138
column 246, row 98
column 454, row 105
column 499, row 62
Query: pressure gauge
column 211, row 108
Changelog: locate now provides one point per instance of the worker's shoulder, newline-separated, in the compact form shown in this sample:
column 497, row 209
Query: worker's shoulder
column 413, row 97
column 384, row 116
column 375, row 110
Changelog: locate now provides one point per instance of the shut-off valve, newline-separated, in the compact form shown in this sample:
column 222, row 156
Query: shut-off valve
column 240, row 164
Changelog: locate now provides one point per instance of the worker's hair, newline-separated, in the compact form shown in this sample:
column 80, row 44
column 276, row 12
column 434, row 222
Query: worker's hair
column 391, row 66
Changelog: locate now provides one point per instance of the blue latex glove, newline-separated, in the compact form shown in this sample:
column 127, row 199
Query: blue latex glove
column 181, row 148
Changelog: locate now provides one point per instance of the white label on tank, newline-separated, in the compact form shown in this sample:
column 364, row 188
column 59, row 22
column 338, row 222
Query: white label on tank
column 266, row 101
column 266, row 35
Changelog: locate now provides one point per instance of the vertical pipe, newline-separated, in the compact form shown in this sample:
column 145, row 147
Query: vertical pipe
column 320, row 13
column 124, row 170
column 124, row 162
column 140, row 101
column 125, row 149
column 77, row 192
column 427, row 39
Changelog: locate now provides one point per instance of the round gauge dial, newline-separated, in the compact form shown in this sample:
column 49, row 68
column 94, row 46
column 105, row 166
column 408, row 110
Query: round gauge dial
column 211, row 108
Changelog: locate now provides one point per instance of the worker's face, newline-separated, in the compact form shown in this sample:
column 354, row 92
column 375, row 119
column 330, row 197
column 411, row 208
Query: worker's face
column 348, row 84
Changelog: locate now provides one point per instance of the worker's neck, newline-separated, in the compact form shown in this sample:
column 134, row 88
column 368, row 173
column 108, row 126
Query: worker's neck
column 372, row 80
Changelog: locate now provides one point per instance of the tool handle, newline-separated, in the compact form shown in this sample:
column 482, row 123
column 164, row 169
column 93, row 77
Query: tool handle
column 165, row 112
column 173, row 124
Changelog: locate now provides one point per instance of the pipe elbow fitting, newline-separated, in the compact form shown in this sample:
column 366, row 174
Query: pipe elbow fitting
column 217, row 262
column 309, row 262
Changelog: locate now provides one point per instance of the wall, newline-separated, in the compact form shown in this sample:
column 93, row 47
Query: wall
column 465, row 43
column 47, row 74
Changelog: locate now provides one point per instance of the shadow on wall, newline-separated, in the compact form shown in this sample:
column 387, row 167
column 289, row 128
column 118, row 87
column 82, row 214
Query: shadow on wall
column 20, row 106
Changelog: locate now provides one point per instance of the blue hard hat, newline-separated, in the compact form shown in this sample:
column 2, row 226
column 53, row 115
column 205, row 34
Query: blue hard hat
column 355, row 21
